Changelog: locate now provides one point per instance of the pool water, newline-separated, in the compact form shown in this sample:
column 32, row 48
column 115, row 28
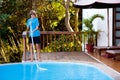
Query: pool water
column 55, row 71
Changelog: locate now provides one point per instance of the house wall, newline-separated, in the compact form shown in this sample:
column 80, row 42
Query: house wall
column 103, row 39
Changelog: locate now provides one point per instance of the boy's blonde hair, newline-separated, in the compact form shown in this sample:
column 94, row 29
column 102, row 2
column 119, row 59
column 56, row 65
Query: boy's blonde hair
column 33, row 12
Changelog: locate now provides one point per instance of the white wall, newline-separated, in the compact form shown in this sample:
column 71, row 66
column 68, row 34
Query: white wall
column 101, row 25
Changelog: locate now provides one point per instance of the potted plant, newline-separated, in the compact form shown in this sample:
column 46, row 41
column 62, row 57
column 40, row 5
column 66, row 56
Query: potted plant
column 90, row 33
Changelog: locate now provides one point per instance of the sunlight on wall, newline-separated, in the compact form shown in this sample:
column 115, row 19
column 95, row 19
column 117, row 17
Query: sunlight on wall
column 101, row 25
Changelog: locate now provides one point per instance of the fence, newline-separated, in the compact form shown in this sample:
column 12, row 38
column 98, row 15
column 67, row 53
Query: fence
column 62, row 41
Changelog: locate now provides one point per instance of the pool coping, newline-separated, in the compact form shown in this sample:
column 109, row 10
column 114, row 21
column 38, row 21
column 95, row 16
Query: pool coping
column 110, row 71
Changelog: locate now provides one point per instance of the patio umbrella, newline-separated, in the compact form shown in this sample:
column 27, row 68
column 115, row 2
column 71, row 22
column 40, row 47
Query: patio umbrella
column 98, row 4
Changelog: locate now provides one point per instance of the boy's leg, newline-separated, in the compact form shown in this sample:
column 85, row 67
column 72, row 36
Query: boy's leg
column 38, row 51
column 31, row 51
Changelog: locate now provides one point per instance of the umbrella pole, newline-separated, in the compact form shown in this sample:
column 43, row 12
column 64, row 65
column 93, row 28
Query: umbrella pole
column 108, row 24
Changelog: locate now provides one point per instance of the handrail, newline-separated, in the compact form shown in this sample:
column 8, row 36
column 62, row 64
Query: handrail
column 60, row 41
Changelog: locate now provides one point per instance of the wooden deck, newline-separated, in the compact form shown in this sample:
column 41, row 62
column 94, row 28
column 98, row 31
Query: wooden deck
column 67, row 56
column 115, row 64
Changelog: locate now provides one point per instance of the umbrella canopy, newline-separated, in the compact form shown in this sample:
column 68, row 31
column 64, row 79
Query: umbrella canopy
column 97, row 3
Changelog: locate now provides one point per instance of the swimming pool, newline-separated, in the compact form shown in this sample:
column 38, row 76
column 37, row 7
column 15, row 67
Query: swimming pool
column 55, row 71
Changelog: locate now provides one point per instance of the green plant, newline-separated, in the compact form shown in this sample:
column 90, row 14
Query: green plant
column 90, row 32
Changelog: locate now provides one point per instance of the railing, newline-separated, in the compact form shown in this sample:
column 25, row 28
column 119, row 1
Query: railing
column 62, row 41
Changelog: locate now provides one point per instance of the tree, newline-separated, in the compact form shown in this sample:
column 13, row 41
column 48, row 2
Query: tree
column 12, row 15
column 54, row 15
column 67, row 17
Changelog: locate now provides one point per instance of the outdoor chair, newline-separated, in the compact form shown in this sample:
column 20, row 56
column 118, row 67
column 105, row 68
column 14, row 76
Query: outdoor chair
column 98, row 49
column 115, row 54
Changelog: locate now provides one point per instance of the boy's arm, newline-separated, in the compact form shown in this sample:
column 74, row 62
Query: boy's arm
column 36, row 28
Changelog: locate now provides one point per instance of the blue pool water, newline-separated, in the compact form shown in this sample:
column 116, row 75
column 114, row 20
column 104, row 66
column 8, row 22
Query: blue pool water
column 55, row 71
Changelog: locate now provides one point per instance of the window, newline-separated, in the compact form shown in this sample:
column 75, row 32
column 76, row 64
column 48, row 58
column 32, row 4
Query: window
column 116, row 26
